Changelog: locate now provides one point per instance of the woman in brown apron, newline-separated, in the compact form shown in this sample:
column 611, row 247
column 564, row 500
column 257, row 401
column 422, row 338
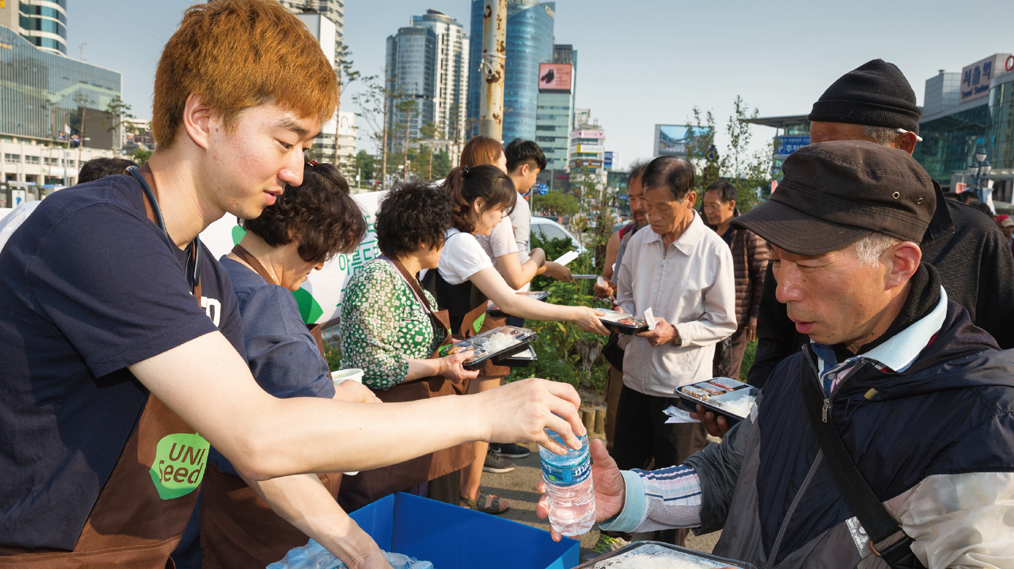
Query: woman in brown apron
column 390, row 330
column 280, row 248
column 466, row 279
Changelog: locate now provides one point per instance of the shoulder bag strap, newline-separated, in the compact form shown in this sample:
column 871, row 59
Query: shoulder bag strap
column 413, row 283
column 876, row 520
column 256, row 265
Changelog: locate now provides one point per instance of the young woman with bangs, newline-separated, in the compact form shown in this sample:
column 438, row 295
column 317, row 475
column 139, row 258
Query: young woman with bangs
column 465, row 279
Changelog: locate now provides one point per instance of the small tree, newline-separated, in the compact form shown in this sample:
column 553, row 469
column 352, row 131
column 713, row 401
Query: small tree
column 140, row 155
column 428, row 132
column 406, row 110
column 558, row 204
column 441, row 164
column 745, row 171
column 117, row 113
column 365, row 165
column 374, row 105
column 346, row 76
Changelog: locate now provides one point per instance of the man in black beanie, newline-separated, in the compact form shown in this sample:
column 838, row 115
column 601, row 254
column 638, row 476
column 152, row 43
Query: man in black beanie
column 875, row 103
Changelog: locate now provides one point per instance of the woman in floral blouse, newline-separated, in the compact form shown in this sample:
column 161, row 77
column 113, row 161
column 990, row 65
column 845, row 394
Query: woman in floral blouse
column 389, row 329
column 386, row 329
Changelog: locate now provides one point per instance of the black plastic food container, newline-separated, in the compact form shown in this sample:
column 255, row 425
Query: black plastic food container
column 707, row 561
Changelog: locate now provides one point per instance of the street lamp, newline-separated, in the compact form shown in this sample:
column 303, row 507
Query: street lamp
column 977, row 171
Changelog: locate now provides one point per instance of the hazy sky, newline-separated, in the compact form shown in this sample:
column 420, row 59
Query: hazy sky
column 640, row 62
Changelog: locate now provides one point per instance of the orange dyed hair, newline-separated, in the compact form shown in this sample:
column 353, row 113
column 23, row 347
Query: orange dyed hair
column 238, row 54
column 481, row 150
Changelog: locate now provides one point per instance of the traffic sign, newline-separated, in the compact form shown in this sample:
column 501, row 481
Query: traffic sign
column 541, row 189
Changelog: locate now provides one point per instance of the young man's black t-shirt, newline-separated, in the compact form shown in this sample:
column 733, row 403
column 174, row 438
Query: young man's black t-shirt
column 88, row 287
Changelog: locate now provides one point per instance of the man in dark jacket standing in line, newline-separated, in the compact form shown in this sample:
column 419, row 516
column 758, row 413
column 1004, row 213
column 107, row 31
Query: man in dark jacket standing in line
column 921, row 399
column 750, row 260
column 876, row 103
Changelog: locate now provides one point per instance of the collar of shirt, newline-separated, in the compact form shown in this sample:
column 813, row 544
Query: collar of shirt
column 686, row 242
column 897, row 353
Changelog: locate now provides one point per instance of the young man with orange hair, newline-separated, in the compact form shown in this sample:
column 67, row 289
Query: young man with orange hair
column 120, row 336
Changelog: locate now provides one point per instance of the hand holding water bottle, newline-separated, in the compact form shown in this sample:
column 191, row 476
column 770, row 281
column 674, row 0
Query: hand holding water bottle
column 608, row 487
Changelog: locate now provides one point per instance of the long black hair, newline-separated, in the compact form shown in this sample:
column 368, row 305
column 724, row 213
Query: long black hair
column 466, row 184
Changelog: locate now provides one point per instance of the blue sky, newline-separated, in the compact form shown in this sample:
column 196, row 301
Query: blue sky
column 640, row 62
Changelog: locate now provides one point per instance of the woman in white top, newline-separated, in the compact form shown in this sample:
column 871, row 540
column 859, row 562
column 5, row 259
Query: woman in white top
column 499, row 243
column 466, row 278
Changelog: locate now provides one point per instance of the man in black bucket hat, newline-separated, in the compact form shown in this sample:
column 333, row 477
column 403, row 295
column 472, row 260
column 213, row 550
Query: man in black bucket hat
column 920, row 399
column 875, row 103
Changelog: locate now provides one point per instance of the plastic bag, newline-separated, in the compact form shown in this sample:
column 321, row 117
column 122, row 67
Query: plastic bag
column 314, row 556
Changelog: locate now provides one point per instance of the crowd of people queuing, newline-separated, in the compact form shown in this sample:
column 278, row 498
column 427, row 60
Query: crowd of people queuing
column 881, row 308
column 161, row 407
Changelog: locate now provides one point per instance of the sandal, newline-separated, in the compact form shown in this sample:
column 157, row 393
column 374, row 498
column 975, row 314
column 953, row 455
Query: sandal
column 495, row 505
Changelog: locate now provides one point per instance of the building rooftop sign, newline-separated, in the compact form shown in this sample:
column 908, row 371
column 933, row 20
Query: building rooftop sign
column 975, row 77
column 555, row 77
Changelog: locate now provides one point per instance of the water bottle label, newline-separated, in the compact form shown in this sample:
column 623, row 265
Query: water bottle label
column 567, row 476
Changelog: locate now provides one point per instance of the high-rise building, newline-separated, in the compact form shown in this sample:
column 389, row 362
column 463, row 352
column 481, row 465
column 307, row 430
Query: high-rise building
column 529, row 43
column 450, row 98
column 555, row 117
column 48, row 102
column 426, row 64
column 333, row 10
column 326, row 21
column 43, row 23
column 587, row 147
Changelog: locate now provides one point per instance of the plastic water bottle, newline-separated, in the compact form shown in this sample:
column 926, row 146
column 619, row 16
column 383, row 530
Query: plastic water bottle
column 569, row 488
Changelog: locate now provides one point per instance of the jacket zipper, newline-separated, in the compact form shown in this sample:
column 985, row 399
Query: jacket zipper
column 813, row 468
column 792, row 508
column 826, row 409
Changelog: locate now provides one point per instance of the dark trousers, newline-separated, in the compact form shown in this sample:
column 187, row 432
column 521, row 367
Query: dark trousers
column 731, row 358
column 642, row 437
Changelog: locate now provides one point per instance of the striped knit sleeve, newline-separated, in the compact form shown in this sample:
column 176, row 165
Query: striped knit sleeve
column 659, row 499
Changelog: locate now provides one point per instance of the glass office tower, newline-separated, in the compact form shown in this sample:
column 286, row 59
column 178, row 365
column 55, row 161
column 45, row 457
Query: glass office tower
column 43, row 91
column 529, row 43
column 42, row 22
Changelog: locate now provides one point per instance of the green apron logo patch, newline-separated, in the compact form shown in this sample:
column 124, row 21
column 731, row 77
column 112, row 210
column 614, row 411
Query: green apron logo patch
column 179, row 464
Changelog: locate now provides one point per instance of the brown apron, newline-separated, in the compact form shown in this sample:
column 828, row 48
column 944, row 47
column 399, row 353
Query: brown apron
column 371, row 485
column 238, row 529
column 141, row 512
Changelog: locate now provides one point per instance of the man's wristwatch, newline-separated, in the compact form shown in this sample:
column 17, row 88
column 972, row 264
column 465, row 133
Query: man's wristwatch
column 676, row 341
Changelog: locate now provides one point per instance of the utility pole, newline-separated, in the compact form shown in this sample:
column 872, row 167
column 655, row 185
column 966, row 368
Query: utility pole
column 337, row 115
column 494, row 53
column 408, row 124
column 383, row 146
column 83, row 100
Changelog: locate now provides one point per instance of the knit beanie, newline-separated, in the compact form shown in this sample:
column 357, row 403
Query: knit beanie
column 874, row 94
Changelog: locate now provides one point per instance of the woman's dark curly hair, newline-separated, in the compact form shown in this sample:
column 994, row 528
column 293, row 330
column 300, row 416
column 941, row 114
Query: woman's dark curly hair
column 320, row 214
column 464, row 185
column 412, row 215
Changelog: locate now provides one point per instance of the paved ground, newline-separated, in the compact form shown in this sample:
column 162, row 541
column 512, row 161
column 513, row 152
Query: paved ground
column 520, row 488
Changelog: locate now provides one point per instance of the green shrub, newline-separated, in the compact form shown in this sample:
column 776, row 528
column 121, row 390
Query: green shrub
column 558, row 344
column 333, row 356
column 748, row 356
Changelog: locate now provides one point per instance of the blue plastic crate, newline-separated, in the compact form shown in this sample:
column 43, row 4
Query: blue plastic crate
column 452, row 537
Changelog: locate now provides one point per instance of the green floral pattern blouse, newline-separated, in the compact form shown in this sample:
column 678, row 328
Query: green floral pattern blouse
column 383, row 325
